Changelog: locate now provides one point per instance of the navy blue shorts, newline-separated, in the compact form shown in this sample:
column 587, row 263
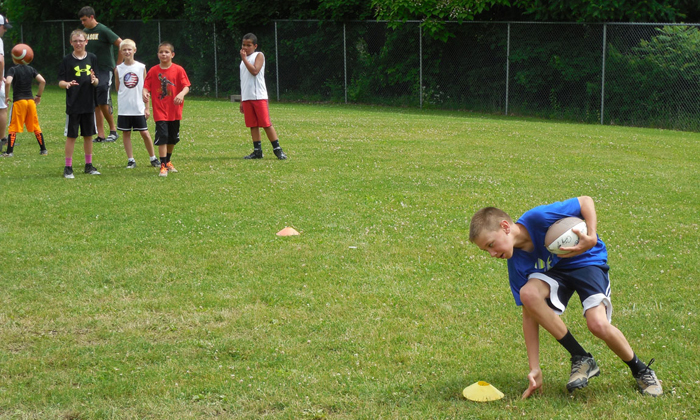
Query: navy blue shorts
column 591, row 283
column 167, row 132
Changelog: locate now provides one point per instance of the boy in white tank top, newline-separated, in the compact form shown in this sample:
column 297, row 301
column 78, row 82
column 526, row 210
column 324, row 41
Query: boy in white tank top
column 132, row 111
column 254, row 105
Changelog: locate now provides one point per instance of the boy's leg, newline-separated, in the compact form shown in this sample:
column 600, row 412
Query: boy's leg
column 100, row 122
column 87, row 147
column 146, row 136
column 42, row 144
column 163, row 153
column 10, row 144
column 126, row 136
column 70, row 146
column 272, row 136
column 257, row 145
column 3, row 121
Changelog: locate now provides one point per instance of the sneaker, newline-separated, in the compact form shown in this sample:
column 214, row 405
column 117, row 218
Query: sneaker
column 43, row 152
column 582, row 369
column 163, row 170
column 170, row 167
column 113, row 136
column 7, row 154
column 648, row 383
column 155, row 163
column 257, row 154
column 68, row 172
column 89, row 169
column 98, row 140
column 280, row 154
column 131, row 164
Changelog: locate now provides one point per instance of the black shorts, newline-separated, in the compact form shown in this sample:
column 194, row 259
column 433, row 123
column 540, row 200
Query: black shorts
column 80, row 125
column 131, row 122
column 102, row 89
column 167, row 132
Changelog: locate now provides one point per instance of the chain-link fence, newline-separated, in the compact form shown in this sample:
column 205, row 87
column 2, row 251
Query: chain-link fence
column 626, row 74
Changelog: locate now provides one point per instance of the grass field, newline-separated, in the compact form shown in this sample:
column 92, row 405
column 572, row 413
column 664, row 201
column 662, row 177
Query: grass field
column 129, row 296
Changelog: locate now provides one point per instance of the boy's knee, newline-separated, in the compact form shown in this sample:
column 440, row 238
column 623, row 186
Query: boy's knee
column 530, row 295
column 598, row 326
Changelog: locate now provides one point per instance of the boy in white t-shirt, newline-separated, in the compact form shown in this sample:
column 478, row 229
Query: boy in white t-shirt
column 132, row 111
column 254, row 98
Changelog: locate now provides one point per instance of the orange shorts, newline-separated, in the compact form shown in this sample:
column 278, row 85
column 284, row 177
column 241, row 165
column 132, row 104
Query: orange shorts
column 256, row 113
column 24, row 113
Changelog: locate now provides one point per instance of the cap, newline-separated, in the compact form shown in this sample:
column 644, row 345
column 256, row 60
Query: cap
column 5, row 22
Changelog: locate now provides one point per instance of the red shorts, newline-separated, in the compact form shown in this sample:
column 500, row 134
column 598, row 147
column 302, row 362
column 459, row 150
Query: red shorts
column 256, row 113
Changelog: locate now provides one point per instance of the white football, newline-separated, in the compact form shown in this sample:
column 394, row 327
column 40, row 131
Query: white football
column 561, row 234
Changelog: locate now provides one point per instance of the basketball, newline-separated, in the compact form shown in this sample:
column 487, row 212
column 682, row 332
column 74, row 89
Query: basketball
column 561, row 234
column 22, row 54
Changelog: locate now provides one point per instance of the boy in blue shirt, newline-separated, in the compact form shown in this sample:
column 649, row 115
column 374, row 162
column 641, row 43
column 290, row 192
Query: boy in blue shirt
column 542, row 283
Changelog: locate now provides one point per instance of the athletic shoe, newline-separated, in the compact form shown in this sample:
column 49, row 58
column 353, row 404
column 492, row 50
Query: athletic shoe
column 89, row 169
column 131, row 164
column 647, row 382
column 582, row 369
column 68, row 172
column 98, row 140
column 7, row 154
column 280, row 154
column 113, row 136
column 155, row 163
column 257, row 154
column 43, row 152
column 163, row 170
column 170, row 167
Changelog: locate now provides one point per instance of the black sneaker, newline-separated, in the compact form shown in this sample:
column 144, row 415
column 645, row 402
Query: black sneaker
column 257, row 154
column 89, row 169
column 648, row 383
column 98, row 140
column 113, row 136
column 155, row 163
column 582, row 369
column 280, row 154
column 131, row 164
column 68, row 172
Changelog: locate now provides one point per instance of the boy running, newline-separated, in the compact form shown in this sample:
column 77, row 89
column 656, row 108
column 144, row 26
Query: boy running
column 23, row 112
column 166, row 84
column 133, row 113
column 542, row 283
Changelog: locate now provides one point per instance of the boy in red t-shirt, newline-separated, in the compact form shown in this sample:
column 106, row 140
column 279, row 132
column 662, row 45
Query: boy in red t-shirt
column 167, row 84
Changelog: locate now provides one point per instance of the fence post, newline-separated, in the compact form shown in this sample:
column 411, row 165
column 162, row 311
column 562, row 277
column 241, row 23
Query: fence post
column 420, row 58
column 345, row 65
column 602, row 81
column 216, row 66
column 63, row 36
column 277, row 64
column 507, row 66
column 159, row 40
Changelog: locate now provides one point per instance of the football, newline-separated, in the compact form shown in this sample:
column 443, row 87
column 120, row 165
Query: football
column 561, row 234
column 22, row 54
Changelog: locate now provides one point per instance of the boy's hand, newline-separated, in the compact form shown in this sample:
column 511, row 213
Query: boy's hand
column 585, row 242
column 535, row 379
column 243, row 54
column 240, row 108
column 71, row 83
column 146, row 113
column 180, row 98
column 93, row 78
column 37, row 99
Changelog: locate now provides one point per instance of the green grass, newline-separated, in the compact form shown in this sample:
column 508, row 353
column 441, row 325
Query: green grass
column 129, row 296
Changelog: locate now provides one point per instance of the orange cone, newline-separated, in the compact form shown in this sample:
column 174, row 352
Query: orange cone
column 287, row 231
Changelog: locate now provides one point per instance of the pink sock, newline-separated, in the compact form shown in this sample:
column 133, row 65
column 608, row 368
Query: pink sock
column 88, row 159
column 69, row 161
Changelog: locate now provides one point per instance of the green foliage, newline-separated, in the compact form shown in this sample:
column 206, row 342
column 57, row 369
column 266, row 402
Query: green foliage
column 657, row 81
column 602, row 10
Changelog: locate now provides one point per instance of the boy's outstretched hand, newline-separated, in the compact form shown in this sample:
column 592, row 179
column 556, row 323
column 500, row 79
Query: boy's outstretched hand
column 535, row 379
column 585, row 242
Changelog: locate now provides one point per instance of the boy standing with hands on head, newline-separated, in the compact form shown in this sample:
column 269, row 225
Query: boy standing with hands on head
column 130, row 76
column 166, row 85
column 254, row 105
column 542, row 283
column 76, row 75
column 24, row 113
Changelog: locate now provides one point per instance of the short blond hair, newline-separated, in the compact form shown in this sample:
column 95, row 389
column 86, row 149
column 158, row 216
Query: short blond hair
column 487, row 219
column 79, row 32
column 127, row 43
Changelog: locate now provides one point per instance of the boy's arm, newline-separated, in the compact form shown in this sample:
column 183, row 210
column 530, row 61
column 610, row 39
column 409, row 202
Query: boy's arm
column 116, row 78
column 590, row 239
column 180, row 98
column 254, row 69
column 42, row 84
column 146, row 112
column 8, row 83
column 120, row 58
column 531, row 332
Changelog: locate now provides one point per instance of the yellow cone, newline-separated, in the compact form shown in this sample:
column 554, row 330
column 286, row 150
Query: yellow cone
column 288, row 231
column 482, row 391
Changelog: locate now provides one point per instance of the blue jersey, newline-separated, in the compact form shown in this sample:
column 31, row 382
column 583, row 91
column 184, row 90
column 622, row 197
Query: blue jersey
column 536, row 222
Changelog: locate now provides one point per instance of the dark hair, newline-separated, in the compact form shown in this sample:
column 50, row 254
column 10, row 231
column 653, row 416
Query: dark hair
column 166, row 44
column 252, row 37
column 86, row 11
